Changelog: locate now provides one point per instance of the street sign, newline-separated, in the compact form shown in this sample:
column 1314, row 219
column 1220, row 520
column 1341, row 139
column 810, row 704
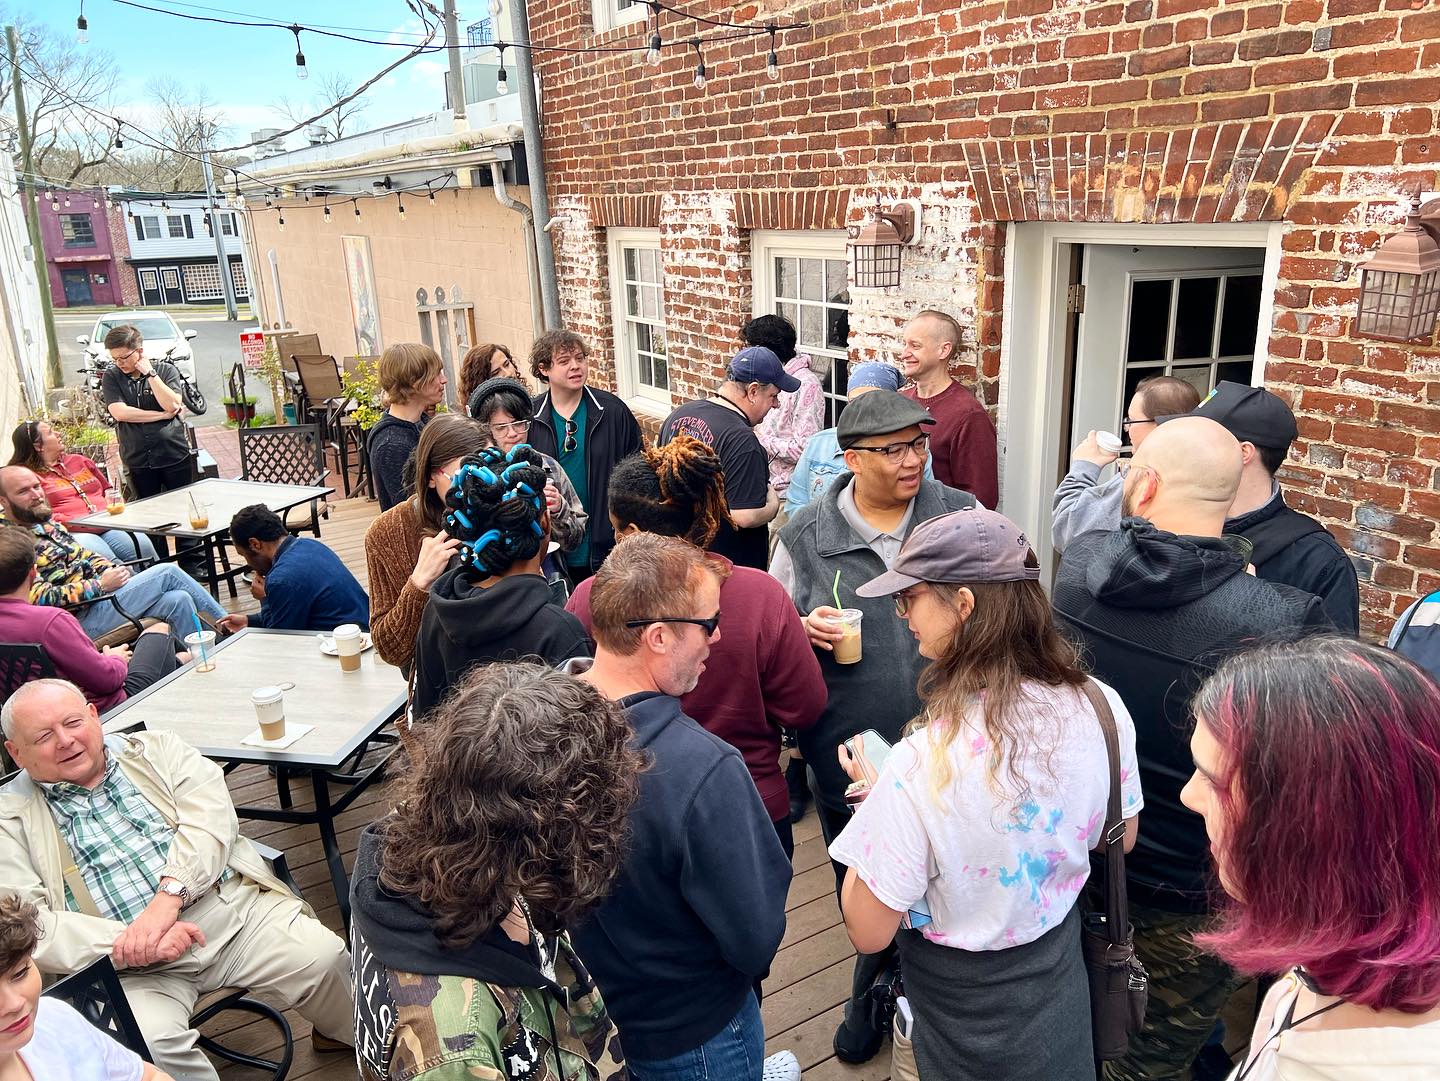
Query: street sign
column 252, row 348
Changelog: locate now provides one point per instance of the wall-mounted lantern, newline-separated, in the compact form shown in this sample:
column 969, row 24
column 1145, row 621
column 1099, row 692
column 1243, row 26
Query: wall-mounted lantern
column 1400, row 283
column 875, row 247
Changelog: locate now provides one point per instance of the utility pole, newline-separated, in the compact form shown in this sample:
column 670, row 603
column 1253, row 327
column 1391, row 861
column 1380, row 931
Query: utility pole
column 53, row 375
column 457, row 78
column 227, row 283
column 535, row 166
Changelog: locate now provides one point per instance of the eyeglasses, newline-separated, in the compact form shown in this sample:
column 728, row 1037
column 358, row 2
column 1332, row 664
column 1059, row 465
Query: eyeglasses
column 709, row 624
column 514, row 427
column 902, row 602
column 1127, row 422
column 125, row 356
column 568, row 447
column 895, row 452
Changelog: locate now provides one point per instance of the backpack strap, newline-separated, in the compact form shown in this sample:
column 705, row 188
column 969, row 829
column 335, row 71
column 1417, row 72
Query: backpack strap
column 1409, row 618
column 1117, row 903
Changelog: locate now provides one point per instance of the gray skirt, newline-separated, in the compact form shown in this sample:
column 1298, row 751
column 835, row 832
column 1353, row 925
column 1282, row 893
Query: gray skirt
column 1019, row 1014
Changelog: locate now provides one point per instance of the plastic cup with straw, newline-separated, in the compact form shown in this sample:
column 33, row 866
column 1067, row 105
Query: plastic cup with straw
column 847, row 650
column 201, row 641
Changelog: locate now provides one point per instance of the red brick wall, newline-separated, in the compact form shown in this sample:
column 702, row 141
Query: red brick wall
column 120, row 233
column 1316, row 113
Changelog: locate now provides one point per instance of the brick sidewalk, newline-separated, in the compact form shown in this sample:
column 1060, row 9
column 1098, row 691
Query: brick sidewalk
column 224, row 446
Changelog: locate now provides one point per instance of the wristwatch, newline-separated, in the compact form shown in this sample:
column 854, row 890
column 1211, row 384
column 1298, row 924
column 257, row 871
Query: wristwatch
column 173, row 888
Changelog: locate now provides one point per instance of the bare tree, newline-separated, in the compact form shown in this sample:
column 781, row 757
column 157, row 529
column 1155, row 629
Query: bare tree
column 333, row 87
column 187, row 120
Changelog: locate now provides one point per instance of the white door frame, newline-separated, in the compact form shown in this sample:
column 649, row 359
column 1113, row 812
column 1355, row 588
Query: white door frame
column 1032, row 368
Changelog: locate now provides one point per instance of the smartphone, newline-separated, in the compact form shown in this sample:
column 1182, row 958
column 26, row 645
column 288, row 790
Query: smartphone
column 871, row 750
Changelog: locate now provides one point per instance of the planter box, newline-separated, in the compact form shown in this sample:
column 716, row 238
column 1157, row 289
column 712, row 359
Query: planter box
column 240, row 412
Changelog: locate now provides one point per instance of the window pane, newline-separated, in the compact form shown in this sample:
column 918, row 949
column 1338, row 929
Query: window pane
column 1149, row 320
column 1195, row 317
column 1241, row 318
column 1236, row 371
column 787, row 280
column 177, row 225
column 657, row 340
column 1197, row 376
column 650, row 302
column 837, row 287
column 661, row 378
column 812, row 326
column 642, row 337
column 632, row 300
column 632, row 259
column 812, row 279
column 837, row 328
column 787, row 312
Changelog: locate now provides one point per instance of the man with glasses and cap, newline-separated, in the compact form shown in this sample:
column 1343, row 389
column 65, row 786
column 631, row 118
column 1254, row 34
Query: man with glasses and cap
column 843, row 538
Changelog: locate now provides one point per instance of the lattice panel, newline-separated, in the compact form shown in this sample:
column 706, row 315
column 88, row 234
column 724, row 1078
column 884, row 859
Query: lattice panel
column 289, row 454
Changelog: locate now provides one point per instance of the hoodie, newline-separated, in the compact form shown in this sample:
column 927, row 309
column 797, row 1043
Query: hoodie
column 420, row 1011
column 1153, row 614
column 698, row 909
column 465, row 624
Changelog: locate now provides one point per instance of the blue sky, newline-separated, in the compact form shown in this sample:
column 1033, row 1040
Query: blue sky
column 246, row 70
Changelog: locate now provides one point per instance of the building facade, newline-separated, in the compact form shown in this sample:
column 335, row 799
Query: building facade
column 85, row 247
column 172, row 259
column 1107, row 189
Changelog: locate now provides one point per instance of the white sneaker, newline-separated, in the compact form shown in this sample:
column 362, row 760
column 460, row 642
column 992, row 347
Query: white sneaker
column 781, row 1066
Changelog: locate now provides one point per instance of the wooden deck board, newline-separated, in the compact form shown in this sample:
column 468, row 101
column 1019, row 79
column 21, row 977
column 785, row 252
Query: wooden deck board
column 809, row 981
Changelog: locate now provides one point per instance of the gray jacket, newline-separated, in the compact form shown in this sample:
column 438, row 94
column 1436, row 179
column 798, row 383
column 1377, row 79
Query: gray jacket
column 1083, row 504
column 880, row 691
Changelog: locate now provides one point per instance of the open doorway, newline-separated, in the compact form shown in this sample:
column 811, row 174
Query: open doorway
column 1090, row 310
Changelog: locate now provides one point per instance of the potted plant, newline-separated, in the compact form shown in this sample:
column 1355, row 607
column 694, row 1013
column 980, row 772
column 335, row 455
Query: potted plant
column 362, row 383
column 83, row 436
column 240, row 413
column 274, row 374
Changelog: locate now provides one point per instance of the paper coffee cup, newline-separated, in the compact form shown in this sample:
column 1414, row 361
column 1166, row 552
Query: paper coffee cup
column 349, row 640
column 847, row 650
column 202, row 645
column 270, row 710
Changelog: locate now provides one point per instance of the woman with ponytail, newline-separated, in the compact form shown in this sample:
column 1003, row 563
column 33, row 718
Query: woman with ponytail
column 762, row 674
column 496, row 605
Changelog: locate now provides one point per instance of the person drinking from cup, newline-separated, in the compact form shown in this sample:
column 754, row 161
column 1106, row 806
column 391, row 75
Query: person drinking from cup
column 1005, row 770
column 834, row 544
column 306, row 586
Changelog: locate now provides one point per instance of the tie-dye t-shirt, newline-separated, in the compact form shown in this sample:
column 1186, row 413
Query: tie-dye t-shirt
column 995, row 870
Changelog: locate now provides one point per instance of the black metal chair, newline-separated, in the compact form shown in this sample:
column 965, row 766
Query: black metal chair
column 327, row 405
column 287, row 454
column 133, row 627
column 20, row 662
column 96, row 993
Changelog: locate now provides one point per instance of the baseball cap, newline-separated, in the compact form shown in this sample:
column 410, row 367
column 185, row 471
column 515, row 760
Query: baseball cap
column 756, row 364
column 880, row 412
column 874, row 373
column 1250, row 414
column 975, row 545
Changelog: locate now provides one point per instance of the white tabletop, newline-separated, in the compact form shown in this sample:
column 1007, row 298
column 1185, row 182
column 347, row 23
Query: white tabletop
column 212, row 711
column 169, row 512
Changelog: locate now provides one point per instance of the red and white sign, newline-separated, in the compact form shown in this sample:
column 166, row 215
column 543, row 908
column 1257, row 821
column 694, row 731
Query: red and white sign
column 252, row 348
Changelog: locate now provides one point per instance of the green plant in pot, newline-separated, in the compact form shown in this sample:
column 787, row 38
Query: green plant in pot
column 238, row 412
column 362, row 384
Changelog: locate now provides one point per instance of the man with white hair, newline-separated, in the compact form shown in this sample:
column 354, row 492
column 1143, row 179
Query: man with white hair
column 129, row 846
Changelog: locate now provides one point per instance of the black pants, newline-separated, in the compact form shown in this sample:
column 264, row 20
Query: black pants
column 152, row 658
column 147, row 482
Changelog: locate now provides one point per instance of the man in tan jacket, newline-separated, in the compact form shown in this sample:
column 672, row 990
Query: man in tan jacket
column 129, row 845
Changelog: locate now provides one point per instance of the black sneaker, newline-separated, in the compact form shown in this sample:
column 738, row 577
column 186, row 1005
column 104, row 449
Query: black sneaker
column 856, row 1040
column 799, row 790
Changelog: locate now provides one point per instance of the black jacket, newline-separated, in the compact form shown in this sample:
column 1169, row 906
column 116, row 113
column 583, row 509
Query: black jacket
column 1294, row 549
column 464, row 625
column 611, row 434
column 389, row 446
column 698, row 909
column 1154, row 614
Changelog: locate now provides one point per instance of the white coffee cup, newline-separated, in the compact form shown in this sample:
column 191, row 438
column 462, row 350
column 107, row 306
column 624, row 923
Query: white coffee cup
column 269, row 705
column 349, row 641
column 1109, row 442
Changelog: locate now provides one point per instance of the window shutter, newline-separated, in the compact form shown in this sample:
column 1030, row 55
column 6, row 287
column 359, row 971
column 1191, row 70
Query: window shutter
column 189, row 228
column 139, row 227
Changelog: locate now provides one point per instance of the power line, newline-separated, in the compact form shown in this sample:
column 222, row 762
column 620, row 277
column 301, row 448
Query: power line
column 293, row 27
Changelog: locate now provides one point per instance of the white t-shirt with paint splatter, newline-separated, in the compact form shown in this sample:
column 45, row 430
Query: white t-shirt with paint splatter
column 995, row 869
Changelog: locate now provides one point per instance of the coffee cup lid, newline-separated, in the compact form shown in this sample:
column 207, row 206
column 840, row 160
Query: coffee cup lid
column 265, row 695
column 347, row 630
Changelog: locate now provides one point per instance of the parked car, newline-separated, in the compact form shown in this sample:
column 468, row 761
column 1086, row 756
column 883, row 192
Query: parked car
column 159, row 331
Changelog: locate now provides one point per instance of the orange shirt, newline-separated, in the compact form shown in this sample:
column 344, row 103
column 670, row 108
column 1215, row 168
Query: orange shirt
column 74, row 486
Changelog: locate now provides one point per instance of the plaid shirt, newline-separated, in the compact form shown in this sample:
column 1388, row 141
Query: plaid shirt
column 65, row 572
column 119, row 841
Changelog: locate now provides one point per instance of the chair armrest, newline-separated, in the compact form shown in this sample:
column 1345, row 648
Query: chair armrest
column 279, row 866
column 109, row 598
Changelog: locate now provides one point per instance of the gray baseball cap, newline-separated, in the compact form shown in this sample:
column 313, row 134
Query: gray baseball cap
column 965, row 546
column 881, row 412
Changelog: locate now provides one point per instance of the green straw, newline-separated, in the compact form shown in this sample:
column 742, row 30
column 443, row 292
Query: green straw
column 835, row 589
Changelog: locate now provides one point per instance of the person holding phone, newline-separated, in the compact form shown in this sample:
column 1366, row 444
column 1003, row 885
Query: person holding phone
column 987, row 811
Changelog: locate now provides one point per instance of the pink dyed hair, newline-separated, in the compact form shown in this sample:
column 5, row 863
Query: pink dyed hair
column 1330, row 780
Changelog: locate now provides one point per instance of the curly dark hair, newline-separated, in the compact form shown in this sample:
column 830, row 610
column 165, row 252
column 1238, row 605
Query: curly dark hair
column 497, row 508
column 480, row 364
column 19, row 931
column 677, row 490
column 542, row 353
column 525, row 781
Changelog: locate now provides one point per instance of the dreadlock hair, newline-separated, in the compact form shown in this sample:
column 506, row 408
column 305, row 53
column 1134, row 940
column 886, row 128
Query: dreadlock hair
column 496, row 508
column 677, row 490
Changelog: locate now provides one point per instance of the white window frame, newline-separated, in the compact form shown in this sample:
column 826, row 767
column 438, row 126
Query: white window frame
column 227, row 224
column 638, row 395
column 175, row 226
column 607, row 14
column 768, row 245
column 151, row 227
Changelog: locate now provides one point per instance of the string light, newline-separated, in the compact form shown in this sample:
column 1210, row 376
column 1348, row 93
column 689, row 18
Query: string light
column 772, row 62
column 401, row 204
column 327, row 213
column 282, row 221
column 652, row 54
column 119, row 140
column 67, row 202
column 699, row 64
column 94, row 203
column 502, row 81
column 301, row 71
column 357, row 206
column 82, row 28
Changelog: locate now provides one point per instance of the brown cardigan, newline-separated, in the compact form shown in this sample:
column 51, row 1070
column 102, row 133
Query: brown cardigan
column 392, row 545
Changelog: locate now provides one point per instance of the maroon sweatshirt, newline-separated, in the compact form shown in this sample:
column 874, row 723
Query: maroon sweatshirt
column 101, row 676
column 962, row 442
column 761, row 676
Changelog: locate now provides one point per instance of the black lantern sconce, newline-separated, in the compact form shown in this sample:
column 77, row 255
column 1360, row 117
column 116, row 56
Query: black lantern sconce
column 1400, row 283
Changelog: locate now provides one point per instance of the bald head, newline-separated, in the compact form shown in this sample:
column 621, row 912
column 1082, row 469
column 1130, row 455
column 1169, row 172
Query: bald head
column 39, row 697
column 1184, row 477
column 53, row 734
column 13, row 476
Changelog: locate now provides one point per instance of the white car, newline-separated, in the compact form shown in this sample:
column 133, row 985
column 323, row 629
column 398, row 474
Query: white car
column 160, row 334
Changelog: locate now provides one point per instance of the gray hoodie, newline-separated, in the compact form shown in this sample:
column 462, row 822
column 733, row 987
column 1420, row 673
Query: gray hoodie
column 1083, row 504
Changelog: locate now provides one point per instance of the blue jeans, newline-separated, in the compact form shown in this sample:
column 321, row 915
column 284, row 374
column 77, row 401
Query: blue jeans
column 117, row 546
column 162, row 592
column 735, row 1053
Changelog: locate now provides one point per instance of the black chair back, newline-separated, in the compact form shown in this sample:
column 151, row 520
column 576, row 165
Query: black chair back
column 95, row 991
column 282, row 454
column 19, row 664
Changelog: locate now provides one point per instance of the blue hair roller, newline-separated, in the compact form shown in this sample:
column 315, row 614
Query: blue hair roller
column 463, row 519
column 536, row 527
column 488, row 538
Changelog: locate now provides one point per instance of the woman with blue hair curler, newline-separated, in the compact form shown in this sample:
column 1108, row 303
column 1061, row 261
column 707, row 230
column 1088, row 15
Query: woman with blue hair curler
column 496, row 605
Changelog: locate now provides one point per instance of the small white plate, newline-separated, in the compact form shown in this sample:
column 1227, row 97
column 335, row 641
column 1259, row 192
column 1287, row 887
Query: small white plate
column 327, row 644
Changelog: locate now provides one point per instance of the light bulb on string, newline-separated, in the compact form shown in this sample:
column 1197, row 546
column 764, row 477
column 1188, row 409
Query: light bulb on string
column 82, row 30
column 431, row 194
column 67, row 201
column 699, row 65
column 301, row 71
column 399, row 202
column 94, row 203
column 119, row 140
column 502, row 80
column 357, row 206
column 772, row 62
column 209, row 229
column 327, row 213
column 653, row 55
column 282, row 221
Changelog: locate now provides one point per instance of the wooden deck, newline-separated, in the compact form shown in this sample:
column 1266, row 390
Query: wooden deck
column 809, row 981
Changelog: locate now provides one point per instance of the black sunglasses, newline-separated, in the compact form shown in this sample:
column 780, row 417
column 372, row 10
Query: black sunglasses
column 568, row 447
column 709, row 624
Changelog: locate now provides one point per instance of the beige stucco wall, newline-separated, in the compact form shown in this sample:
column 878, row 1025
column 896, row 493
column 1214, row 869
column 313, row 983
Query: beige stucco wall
column 465, row 238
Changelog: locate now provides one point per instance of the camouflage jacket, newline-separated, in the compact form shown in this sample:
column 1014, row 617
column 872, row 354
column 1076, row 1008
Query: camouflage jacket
column 413, row 1027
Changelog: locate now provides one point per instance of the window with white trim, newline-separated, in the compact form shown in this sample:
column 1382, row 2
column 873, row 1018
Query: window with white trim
column 805, row 277
column 176, row 223
column 227, row 224
column 637, row 292
column 608, row 14
column 149, row 227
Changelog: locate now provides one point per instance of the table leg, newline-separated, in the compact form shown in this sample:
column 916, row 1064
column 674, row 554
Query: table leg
column 325, row 819
column 212, row 579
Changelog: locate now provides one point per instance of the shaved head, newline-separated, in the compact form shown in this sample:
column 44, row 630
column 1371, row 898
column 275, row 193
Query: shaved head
column 12, row 474
column 1185, row 476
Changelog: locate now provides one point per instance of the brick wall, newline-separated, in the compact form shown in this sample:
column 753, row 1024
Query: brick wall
column 1314, row 113
column 120, row 233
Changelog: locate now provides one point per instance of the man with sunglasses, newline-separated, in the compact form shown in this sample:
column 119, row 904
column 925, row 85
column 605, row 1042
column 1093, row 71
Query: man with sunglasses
column 144, row 398
column 837, row 542
column 698, row 909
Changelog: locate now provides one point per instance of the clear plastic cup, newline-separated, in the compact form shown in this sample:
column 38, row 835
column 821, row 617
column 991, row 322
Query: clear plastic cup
column 847, row 650
column 202, row 645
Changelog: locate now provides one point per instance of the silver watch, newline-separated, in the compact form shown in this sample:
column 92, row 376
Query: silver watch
column 176, row 889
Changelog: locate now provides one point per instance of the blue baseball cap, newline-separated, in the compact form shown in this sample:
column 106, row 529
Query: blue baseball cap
column 756, row 364
column 874, row 373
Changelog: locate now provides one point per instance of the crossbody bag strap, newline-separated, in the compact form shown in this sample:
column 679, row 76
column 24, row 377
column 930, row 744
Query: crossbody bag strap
column 1409, row 617
column 79, row 892
column 1117, row 903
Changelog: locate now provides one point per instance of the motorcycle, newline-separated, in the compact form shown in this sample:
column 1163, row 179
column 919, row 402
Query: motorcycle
column 94, row 378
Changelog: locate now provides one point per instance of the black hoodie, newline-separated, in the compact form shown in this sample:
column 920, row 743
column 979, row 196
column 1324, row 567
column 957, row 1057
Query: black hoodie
column 698, row 909
column 465, row 625
column 1154, row 613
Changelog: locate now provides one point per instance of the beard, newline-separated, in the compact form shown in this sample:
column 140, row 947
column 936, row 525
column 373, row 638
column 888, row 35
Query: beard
column 39, row 514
